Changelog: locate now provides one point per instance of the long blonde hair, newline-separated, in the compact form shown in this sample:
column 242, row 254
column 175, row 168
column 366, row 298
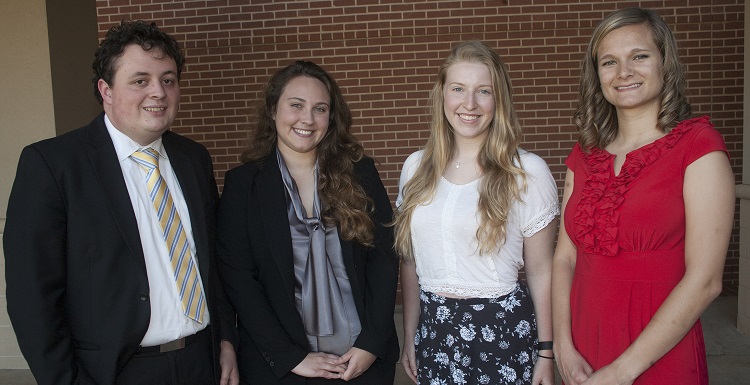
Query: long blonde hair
column 498, row 157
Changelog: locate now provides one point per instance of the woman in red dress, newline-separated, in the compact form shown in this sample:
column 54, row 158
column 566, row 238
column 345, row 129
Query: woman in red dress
column 647, row 211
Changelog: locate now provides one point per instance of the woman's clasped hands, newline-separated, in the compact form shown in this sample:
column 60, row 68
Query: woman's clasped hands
column 346, row 367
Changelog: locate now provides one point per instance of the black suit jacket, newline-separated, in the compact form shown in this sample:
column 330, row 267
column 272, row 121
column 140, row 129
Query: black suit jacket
column 257, row 270
column 77, row 289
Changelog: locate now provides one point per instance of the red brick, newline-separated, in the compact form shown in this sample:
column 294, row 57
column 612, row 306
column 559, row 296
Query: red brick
column 385, row 55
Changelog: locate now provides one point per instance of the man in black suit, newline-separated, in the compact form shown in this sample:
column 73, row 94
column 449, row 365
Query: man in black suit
column 91, row 287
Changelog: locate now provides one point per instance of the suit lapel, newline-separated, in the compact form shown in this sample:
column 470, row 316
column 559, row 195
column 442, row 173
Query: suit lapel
column 188, row 180
column 103, row 157
column 272, row 201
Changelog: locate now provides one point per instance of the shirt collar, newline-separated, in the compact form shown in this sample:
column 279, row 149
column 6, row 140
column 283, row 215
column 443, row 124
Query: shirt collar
column 124, row 146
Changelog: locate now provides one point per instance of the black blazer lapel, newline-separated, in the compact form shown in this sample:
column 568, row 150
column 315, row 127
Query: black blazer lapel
column 103, row 157
column 272, row 201
column 189, row 184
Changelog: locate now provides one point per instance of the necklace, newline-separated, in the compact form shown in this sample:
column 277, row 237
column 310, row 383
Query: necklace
column 458, row 164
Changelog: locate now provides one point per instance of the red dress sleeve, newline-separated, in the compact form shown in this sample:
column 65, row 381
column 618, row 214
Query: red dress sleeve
column 574, row 157
column 705, row 139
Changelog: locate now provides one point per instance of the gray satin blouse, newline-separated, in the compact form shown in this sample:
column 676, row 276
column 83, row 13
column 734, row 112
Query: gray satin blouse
column 322, row 291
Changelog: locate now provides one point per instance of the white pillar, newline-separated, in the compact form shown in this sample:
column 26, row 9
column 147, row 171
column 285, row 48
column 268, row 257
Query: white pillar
column 26, row 115
column 743, row 193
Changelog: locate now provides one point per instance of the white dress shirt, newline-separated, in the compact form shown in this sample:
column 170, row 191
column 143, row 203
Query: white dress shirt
column 168, row 321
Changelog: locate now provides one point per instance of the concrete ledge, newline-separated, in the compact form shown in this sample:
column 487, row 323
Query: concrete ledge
column 742, row 191
column 13, row 362
column 743, row 309
column 743, row 324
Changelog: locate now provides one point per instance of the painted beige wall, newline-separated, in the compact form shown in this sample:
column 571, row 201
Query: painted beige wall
column 26, row 116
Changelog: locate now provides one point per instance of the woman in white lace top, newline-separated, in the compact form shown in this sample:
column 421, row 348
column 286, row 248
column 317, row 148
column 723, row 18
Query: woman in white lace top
column 473, row 210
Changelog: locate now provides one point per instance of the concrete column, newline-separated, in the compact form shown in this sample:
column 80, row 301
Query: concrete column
column 743, row 193
column 47, row 47
column 26, row 115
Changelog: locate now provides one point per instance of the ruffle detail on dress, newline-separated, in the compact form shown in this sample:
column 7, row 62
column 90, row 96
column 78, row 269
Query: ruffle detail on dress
column 597, row 215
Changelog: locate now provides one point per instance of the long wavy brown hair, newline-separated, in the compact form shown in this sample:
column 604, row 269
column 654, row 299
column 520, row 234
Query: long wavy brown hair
column 498, row 157
column 346, row 204
column 595, row 117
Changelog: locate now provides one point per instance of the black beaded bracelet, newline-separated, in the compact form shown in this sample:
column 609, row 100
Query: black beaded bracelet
column 545, row 345
column 549, row 358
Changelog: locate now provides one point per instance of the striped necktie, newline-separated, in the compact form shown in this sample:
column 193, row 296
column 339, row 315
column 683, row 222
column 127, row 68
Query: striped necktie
column 183, row 264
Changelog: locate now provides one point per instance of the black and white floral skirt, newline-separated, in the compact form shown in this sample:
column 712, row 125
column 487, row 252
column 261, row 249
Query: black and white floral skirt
column 476, row 340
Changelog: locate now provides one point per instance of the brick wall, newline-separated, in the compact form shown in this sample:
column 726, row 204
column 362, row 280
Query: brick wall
column 385, row 56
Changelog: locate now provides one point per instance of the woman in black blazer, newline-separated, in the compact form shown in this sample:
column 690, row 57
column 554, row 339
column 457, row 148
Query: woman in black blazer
column 304, row 254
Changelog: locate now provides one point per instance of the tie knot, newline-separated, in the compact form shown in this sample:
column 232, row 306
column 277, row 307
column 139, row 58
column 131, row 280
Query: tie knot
column 147, row 158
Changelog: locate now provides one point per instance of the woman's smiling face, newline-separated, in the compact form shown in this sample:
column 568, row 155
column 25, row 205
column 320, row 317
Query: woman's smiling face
column 302, row 115
column 630, row 68
column 468, row 99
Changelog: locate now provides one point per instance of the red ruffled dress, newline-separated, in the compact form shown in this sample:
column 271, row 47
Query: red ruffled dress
column 629, row 231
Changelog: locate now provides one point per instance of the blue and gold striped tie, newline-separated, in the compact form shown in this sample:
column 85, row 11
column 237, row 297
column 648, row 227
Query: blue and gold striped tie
column 185, row 269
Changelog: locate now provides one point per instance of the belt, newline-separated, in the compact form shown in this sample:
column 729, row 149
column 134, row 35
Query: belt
column 172, row 345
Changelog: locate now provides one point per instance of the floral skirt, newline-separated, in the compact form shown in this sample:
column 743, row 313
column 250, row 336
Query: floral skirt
column 476, row 340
